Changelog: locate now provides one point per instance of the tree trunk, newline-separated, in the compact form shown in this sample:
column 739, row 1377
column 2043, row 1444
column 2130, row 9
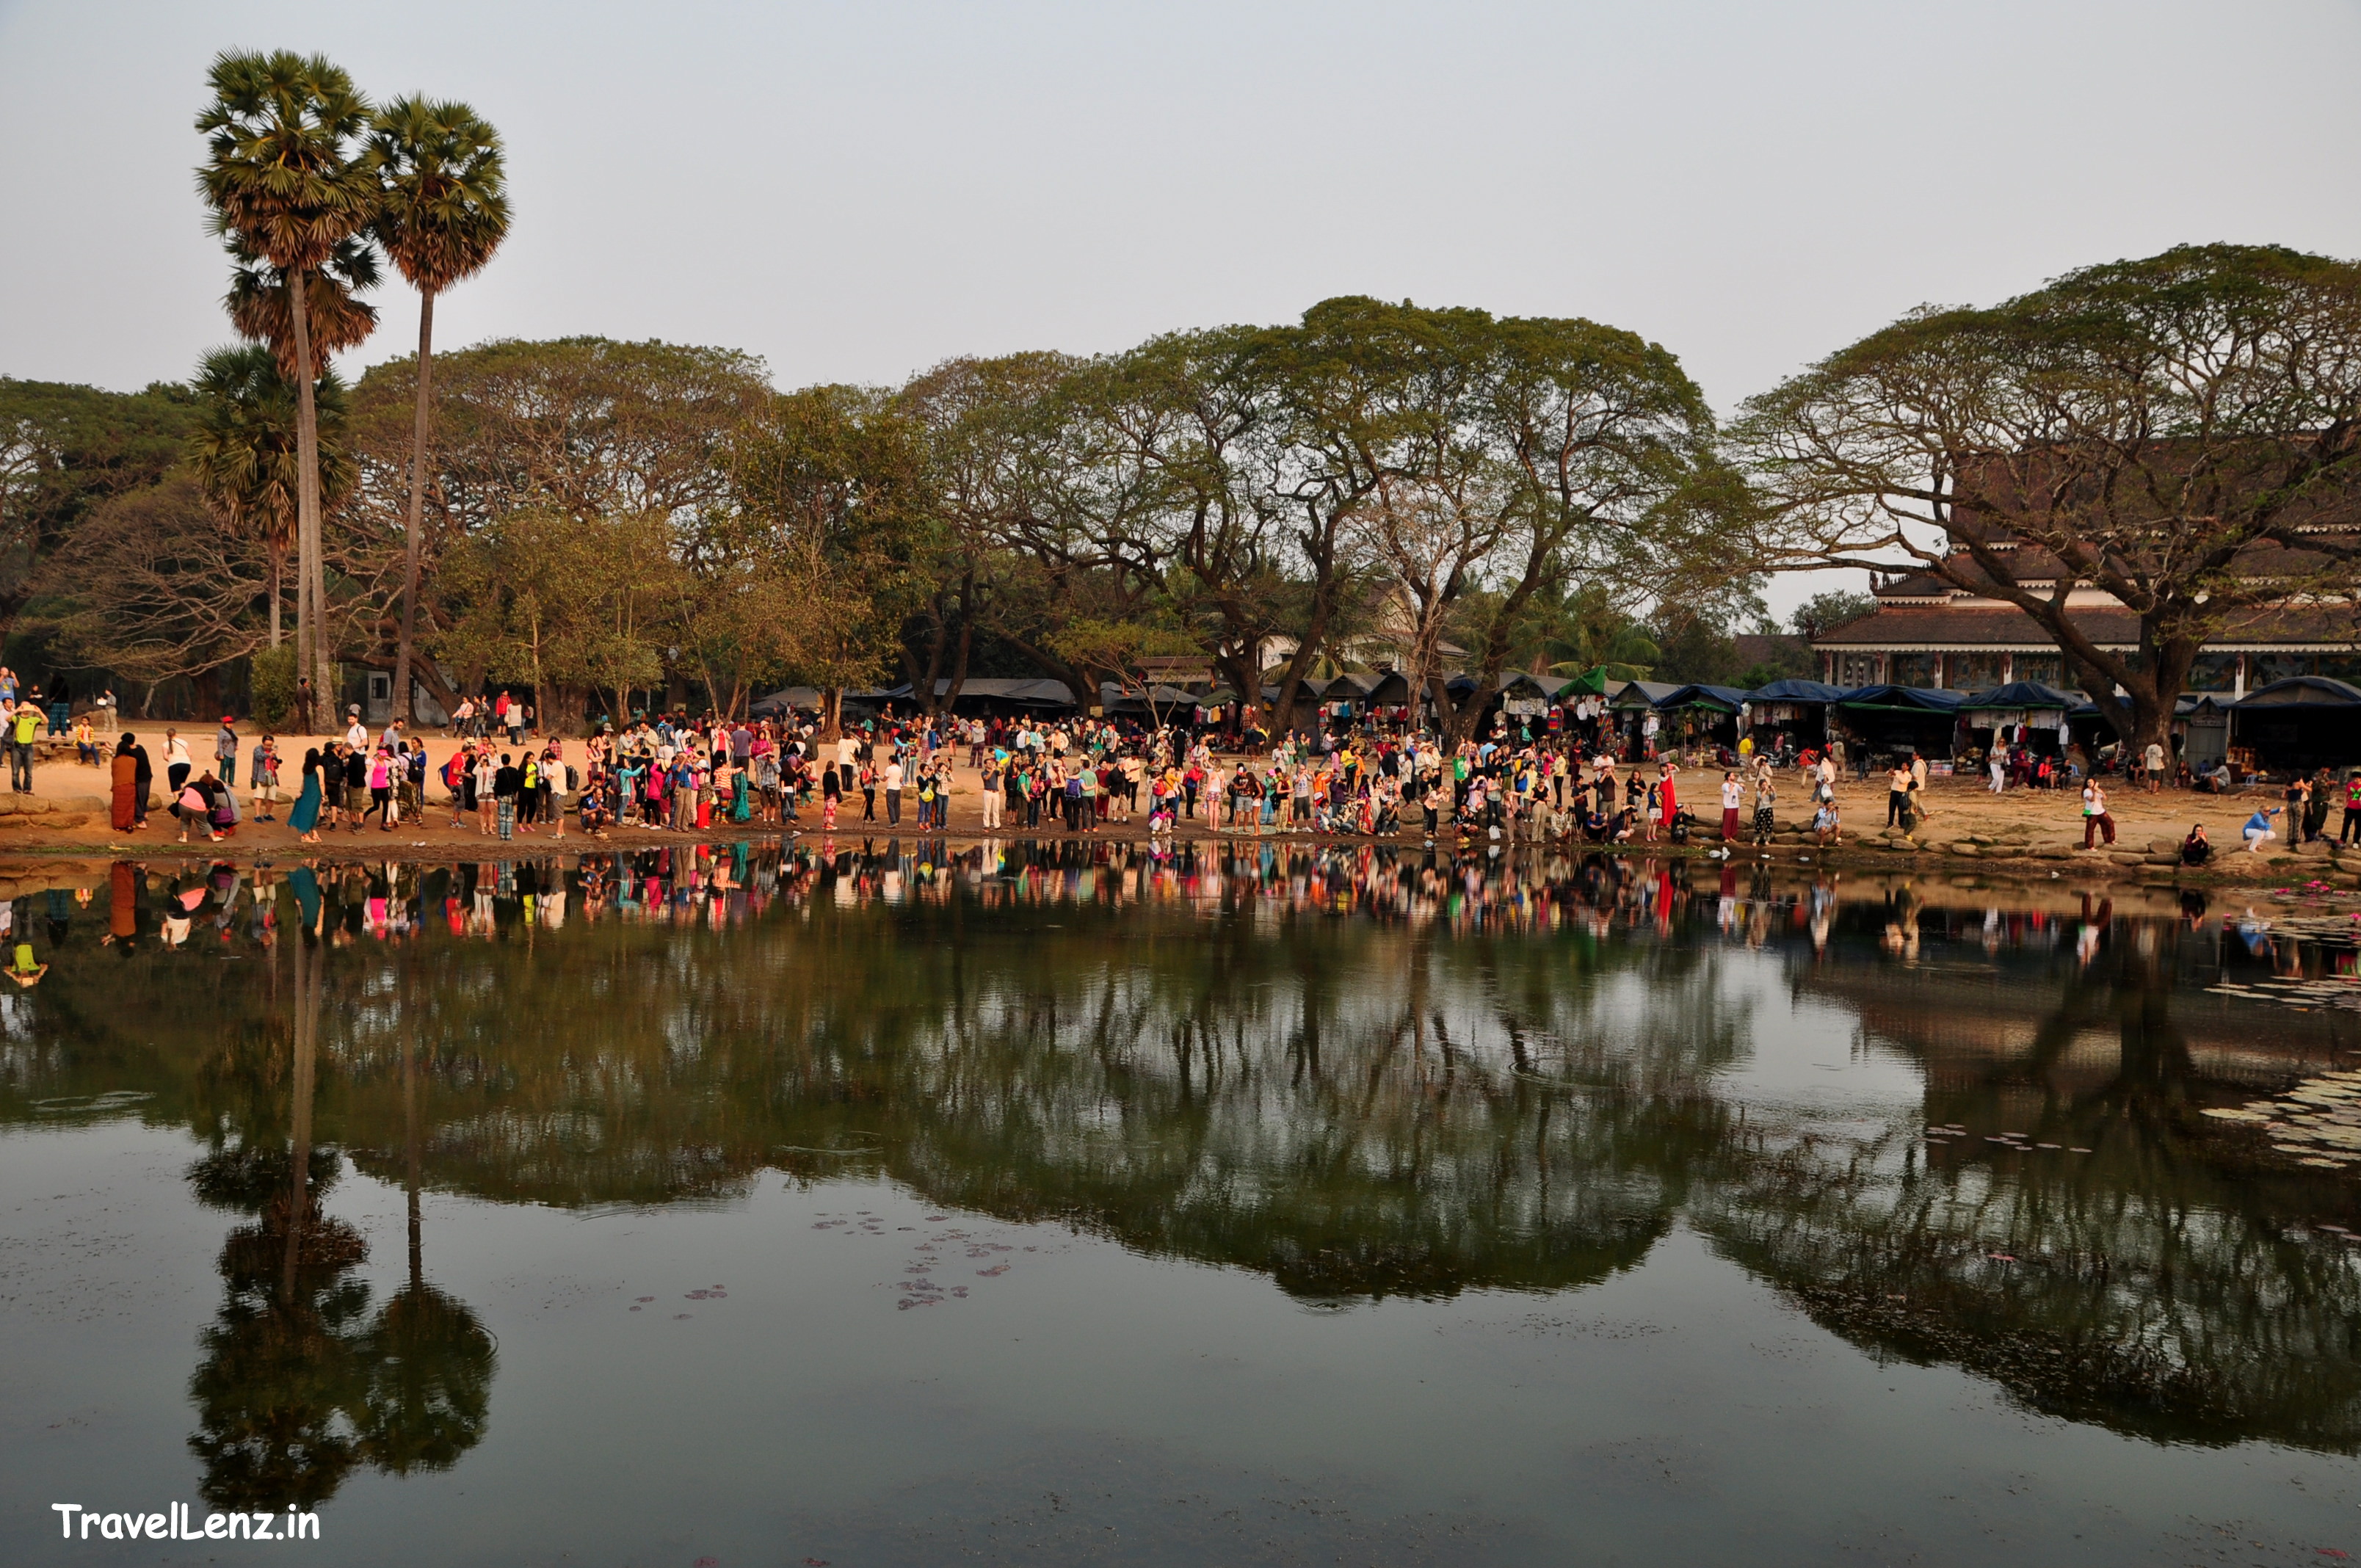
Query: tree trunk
column 309, row 973
column 310, row 619
column 277, row 570
column 411, row 538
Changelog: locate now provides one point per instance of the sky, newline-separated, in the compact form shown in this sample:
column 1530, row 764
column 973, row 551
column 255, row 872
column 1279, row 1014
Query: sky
column 857, row 192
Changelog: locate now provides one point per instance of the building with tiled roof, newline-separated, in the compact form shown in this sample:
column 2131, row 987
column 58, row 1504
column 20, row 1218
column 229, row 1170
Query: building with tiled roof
column 1928, row 632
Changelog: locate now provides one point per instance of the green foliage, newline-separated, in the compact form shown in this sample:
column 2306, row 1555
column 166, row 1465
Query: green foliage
column 570, row 604
column 66, row 449
column 274, row 681
column 1824, row 613
column 441, row 207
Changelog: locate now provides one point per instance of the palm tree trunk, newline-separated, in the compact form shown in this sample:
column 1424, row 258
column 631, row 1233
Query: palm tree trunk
column 310, row 650
column 278, row 566
column 411, row 538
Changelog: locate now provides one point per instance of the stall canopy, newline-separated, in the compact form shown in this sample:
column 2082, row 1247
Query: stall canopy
column 1793, row 711
column 1800, row 692
column 1592, row 682
column 1641, row 694
column 807, row 699
column 2028, row 703
column 1900, row 719
column 2308, row 722
column 1721, row 699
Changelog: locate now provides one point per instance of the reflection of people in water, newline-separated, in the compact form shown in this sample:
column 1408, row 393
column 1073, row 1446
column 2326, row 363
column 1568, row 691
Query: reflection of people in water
column 23, row 970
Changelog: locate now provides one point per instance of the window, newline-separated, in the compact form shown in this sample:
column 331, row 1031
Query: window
column 1912, row 670
column 1972, row 672
column 2213, row 673
column 2049, row 669
column 1857, row 670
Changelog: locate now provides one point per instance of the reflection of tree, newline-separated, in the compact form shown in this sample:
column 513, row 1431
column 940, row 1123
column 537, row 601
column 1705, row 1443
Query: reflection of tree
column 297, row 1384
column 1355, row 1106
column 430, row 1359
column 2140, row 1285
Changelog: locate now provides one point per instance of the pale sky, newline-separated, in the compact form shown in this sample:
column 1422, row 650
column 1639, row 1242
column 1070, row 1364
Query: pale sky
column 855, row 192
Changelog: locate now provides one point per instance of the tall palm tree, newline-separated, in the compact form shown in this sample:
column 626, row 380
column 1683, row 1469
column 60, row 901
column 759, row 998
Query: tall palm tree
column 283, row 186
column 443, row 211
column 243, row 450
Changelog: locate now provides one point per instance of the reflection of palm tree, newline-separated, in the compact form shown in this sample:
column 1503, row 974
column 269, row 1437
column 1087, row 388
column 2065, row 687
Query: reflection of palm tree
column 298, row 1384
column 430, row 1360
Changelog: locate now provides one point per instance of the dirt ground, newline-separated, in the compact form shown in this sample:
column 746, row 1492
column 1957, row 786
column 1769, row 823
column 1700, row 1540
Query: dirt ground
column 1964, row 821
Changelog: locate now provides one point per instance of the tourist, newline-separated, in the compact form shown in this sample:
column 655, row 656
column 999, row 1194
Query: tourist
column 2257, row 830
column 265, row 776
column 177, row 760
column 85, row 743
column 991, row 763
column 2096, row 818
column 127, row 808
column 892, row 780
column 1825, row 824
column 1897, row 796
column 192, row 804
column 380, row 790
column 2298, row 797
column 2349, row 830
column 356, row 781
column 508, row 782
column 2154, row 766
column 226, row 751
column 2196, row 849
column 1733, row 796
column 1765, row 798
column 487, row 779
column 23, row 725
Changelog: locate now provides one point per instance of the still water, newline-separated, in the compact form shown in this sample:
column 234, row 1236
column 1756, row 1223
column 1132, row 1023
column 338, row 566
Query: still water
column 723, row 1207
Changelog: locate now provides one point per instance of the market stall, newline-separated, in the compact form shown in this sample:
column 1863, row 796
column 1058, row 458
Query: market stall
column 2298, row 725
column 1894, row 721
column 1790, row 716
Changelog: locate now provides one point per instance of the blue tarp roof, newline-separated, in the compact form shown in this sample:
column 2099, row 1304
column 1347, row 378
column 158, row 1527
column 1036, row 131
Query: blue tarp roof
column 1791, row 689
column 1726, row 698
column 2025, row 693
column 2303, row 691
column 1891, row 696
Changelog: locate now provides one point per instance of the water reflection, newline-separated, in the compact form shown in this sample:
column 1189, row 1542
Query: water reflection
column 1357, row 1072
column 299, row 1382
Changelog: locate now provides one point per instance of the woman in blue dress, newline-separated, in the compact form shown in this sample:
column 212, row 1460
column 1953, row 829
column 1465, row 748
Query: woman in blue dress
column 305, row 817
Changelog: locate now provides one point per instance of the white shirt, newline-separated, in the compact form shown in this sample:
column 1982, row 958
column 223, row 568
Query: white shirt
column 893, row 775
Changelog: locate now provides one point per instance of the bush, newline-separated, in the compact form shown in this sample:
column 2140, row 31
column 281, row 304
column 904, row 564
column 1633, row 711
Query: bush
column 274, row 685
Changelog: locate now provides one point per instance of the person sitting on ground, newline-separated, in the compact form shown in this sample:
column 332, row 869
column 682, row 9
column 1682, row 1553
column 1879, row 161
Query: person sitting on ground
column 2195, row 850
column 2258, row 827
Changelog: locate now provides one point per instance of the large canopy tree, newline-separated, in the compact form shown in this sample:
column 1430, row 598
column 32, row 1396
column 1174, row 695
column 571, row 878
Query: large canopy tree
column 64, row 451
column 284, row 188
column 586, row 427
column 2179, row 436
column 443, row 211
column 812, row 577
column 1460, row 461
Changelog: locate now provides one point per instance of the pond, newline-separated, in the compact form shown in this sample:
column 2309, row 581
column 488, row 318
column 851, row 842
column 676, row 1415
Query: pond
column 886, row 1204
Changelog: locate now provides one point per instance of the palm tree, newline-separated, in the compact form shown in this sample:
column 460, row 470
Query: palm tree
column 243, row 450
column 443, row 211
column 284, row 190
